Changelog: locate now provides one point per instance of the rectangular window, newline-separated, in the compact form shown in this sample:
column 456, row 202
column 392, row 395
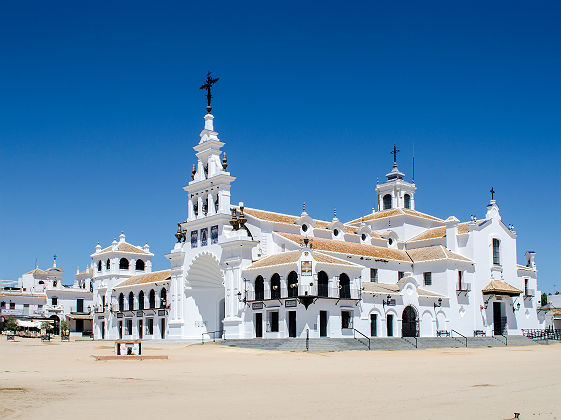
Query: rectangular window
column 428, row 278
column 204, row 236
column 460, row 279
column 12, row 305
column 149, row 326
column 346, row 319
column 54, row 301
column 214, row 234
column 496, row 252
column 374, row 275
column 194, row 238
column 525, row 287
column 400, row 275
column 128, row 327
column 39, row 307
column 3, row 305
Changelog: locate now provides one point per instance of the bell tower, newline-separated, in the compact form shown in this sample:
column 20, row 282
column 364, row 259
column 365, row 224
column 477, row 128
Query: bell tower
column 395, row 192
column 209, row 190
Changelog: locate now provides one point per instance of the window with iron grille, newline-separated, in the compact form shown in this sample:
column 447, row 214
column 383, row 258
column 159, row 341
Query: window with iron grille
column 374, row 275
column 428, row 278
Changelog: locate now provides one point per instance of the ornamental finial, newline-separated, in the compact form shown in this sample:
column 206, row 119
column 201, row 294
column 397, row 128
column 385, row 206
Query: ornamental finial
column 209, row 82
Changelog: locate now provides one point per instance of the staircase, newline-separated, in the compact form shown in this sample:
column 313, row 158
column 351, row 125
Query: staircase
column 376, row 343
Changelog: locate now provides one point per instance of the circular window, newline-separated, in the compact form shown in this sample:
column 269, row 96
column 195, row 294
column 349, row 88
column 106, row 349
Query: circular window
column 364, row 236
column 390, row 241
column 304, row 228
column 336, row 232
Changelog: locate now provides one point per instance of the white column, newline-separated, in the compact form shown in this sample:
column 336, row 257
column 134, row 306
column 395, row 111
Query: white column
column 190, row 212
column 210, row 204
column 200, row 207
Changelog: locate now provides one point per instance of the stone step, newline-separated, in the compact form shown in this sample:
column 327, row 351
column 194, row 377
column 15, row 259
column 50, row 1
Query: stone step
column 376, row 343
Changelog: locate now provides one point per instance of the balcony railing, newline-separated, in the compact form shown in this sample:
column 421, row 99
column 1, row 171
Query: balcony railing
column 463, row 287
column 529, row 293
column 305, row 290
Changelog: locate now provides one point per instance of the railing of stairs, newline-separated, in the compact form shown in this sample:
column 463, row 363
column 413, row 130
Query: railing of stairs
column 500, row 341
column 461, row 335
column 414, row 344
column 366, row 339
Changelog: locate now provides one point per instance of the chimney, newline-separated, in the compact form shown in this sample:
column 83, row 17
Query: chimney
column 451, row 233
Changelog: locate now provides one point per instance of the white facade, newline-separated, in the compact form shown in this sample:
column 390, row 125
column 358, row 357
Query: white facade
column 246, row 273
column 41, row 295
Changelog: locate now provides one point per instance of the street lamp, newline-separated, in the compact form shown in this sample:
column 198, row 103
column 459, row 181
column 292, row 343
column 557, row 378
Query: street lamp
column 439, row 303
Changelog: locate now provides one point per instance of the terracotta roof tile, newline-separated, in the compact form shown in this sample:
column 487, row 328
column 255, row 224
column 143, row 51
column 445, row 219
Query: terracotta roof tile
column 500, row 287
column 439, row 232
column 293, row 257
column 395, row 212
column 146, row 278
column 343, row 247
column 125, row 247
column 437, row 252
column 37, row 271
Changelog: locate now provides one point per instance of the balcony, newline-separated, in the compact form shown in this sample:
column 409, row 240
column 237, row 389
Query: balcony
column 305, row 290
column 54, row 308
column 529, row 293
column 463, row 287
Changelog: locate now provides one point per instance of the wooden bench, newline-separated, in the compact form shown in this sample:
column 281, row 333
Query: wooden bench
column 443, row 333
column 46, row 337
column 479, row 333
column 10, row 337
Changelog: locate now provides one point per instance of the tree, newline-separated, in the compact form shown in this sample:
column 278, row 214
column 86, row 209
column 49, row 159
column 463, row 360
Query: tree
column 64, row 327
column 46, row 325
column 544, row 299
column 11, row 324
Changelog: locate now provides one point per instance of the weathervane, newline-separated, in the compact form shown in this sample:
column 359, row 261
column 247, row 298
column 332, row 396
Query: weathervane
column 208, row 86
column 394, row 152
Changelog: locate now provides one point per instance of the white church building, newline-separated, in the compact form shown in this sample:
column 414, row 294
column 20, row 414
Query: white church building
column 240, row 272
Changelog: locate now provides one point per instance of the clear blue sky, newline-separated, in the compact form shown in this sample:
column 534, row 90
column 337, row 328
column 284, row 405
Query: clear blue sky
column 100, row 107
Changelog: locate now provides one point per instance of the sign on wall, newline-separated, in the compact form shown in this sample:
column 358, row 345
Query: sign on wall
column 139, row 313
column 214, row 234
column 194, row 238
column 120, row 315
column 290, row 303
column 257, row 305
column 161, row 312
column 306, row 268
column 204, row 236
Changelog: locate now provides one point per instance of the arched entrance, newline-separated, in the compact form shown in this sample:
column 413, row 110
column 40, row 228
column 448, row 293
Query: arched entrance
column 205, row 303
column 409, row 322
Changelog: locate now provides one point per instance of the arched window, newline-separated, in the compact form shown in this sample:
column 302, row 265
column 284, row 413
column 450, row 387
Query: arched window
column 121, row 302
column 131, row 301
column 123, row 264
column 387, row 202
column 152, row 299
column 141, row 300
column 259, row 288
column 107, row 264
column 344, row 286
column 99, row 266
column 163, row 298
column 293, row 284
column 139, row 265
column 496, row 251
column 323, row 282
column 407, row 201
column 275, row 287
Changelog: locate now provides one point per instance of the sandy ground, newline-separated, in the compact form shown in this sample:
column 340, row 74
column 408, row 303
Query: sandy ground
column 62, row 380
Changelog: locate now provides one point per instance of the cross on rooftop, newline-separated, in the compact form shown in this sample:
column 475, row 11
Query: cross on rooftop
column 394, row 152
column 208, row 86
column 492, row 191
